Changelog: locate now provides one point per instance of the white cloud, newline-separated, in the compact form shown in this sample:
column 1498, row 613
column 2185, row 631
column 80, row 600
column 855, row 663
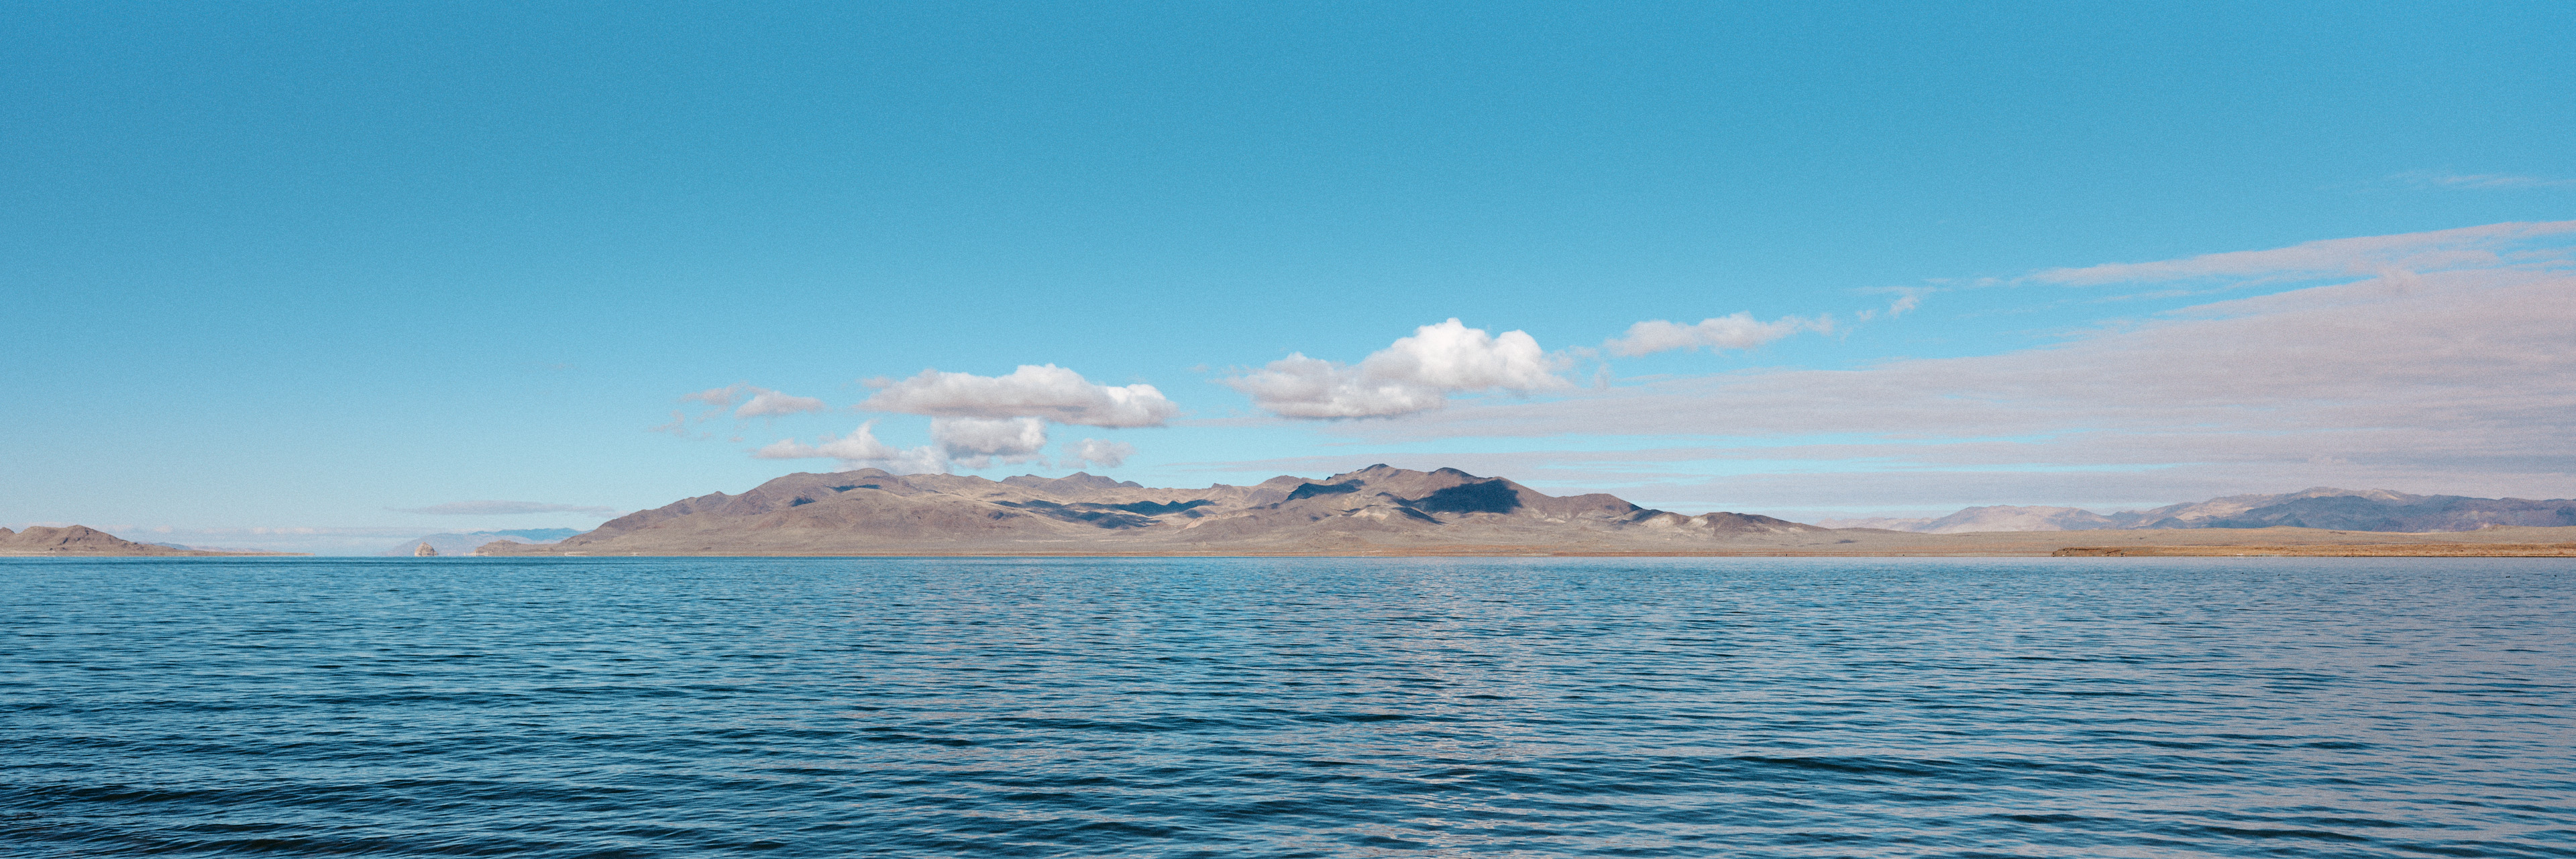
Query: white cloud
column 757, row 402
column 860, row 449
column 1049, row 392
column 1415, row 374
column 1739, row 331
column 770, row 404
column 1908, row 299
column 722, row 398
column 978, row 442
column 503, row 508
column 1103, row 454
column 2463, row 248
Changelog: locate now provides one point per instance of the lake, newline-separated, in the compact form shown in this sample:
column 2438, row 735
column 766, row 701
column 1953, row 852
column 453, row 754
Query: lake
column 1289, row 707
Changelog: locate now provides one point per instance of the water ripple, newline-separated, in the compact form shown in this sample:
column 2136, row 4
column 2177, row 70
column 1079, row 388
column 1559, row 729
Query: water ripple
column 1541, row 707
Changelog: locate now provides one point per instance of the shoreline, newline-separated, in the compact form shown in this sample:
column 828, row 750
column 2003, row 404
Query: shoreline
column 2348, row 551
column 2500, row 542
column 1846, row 543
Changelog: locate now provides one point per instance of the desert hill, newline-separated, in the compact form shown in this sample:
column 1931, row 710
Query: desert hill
column 1378, row 508
column 85, row 541
column 2377, row 510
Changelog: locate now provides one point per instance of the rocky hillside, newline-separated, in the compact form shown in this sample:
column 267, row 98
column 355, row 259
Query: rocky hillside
column 1375, row 508
column 82, row 540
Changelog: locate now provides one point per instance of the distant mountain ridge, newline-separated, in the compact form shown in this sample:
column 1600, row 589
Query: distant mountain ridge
column 1374, row 508
column 2322, row 507
column 464, row 543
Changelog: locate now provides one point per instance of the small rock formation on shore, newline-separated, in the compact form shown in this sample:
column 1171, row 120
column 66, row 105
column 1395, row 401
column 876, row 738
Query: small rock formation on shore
column 424, row 551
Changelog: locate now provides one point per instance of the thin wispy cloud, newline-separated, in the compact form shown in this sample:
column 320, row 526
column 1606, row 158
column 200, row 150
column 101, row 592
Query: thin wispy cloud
column 754, row 402
column 1907, row 299
column 678, row 426
column 2462, row 248
column 719, row 399
column 1737, row 331
column 770, row 404
column 2480, row 181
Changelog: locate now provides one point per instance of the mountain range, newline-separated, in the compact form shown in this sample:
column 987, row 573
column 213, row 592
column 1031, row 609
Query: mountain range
column 1384, row 510
column 2319, row 507
column 1379, row 508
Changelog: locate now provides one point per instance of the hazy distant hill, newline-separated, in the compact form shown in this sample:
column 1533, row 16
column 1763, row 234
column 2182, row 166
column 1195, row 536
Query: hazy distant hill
column 465, row 543
column 2408, row 513
column 2319, row 507
column 1373, row 509
column 1976, row 519
column 82, row 540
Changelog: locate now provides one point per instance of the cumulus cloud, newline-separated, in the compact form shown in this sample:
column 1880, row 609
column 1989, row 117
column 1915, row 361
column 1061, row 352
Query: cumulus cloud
column 1415, row 374
column 503, row 508
column 978, row 442
column 1097, row 453
column 860, row 449
column 1046, row 391
column 2462, row 248
column 1738, row 331
column 756, row 402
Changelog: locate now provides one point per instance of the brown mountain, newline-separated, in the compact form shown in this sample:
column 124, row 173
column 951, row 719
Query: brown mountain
column 1370, row 510
column 82, row 540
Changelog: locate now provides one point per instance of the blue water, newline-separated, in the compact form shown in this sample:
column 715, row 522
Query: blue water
column 936, row 707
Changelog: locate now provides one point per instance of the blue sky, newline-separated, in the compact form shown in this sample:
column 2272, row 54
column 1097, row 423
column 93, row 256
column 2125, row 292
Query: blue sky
column 302, row 267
